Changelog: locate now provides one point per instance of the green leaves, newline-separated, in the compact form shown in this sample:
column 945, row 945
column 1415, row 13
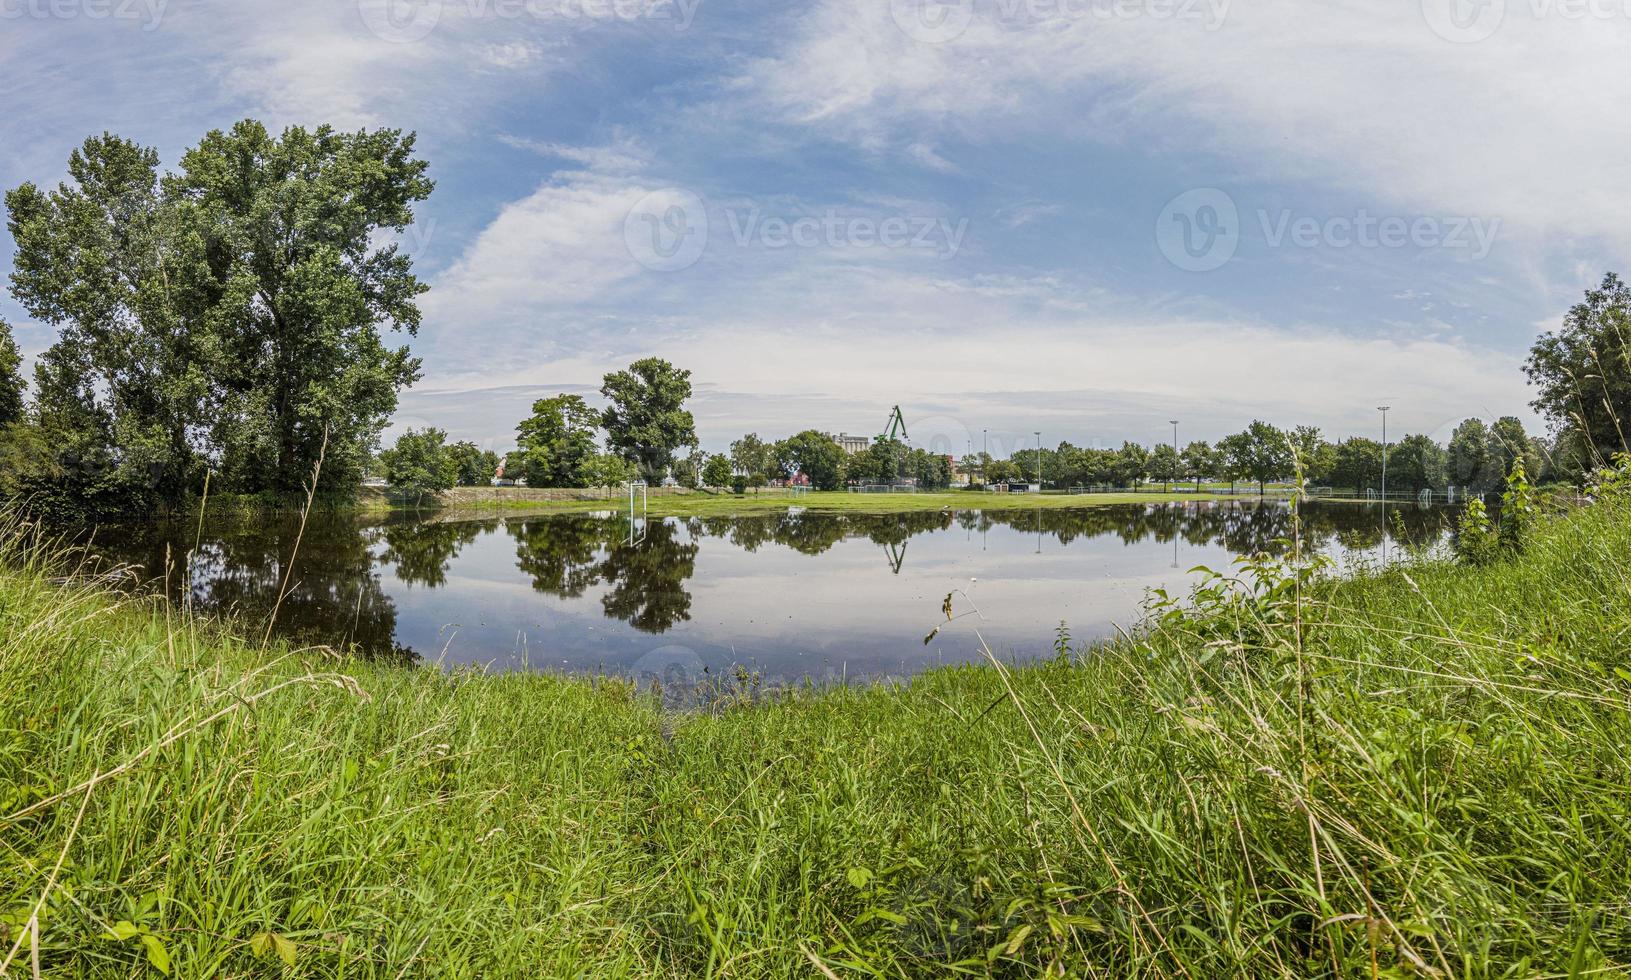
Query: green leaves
column 230, row 310
column 158, row 956
column 646, row 420
column 268, row 944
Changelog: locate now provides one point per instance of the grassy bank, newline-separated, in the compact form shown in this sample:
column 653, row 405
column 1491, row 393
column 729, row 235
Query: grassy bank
column 502, row 500
column 1420, row 773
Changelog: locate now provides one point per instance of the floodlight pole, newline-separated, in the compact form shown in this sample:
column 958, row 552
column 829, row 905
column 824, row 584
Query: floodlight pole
column 1039, row 462
column 1384, row 409
column 1174, row 453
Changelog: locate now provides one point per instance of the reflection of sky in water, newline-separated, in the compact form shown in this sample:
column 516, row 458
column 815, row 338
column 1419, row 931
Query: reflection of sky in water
column 489, row 591
column 845, row 610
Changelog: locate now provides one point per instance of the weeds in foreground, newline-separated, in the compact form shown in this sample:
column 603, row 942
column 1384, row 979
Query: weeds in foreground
column 1419, row 772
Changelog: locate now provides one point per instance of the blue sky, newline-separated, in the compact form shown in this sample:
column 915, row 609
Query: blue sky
column 1080, row 216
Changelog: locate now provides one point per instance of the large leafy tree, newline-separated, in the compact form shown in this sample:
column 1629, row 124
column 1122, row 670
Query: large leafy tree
column 1415, row 463
column 1583, row 371
column 105, row 259
column 557, row 442
column 1357, row 464
column 298, row 286
column 475, row 465
column 11, row 378
column 1265, row 454
column 229, row 313
column 420, row 464
column 1509, row 443
column 646, row 421
column 816, row 456
column 1315, row 456
column 1199, row 461
column 717, row 471
column 753, row 456
column 1467, row 458
column 1166, row 464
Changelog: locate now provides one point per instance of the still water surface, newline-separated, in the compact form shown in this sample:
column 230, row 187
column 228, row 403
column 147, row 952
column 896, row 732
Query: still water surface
column 794, row 595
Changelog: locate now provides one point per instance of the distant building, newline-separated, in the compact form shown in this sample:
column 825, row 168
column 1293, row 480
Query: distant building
column 851, row 444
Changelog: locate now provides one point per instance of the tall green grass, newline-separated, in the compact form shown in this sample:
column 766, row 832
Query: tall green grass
column 1418, row 772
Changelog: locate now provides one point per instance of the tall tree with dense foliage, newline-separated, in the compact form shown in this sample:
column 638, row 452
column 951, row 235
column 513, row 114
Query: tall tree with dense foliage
column 1467, row 458
column 103, row 258
column 816, row 456
column 475, row 465
column 1268, row 454
column 646, row 421
column 420, row 464
column 1234, row 458
column 228, row 314
column 1166, row 464
column 1357, row 465
column 1199, row 461
column 1509, row 445
column 556, row 442
column 754, row 456
column 1583, row 372
column 716, row 472
column 11, row 378
column 1415, row 462
column 1315, row 456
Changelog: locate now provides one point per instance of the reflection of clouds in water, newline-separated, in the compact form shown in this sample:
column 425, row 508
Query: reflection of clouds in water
column 792, row 594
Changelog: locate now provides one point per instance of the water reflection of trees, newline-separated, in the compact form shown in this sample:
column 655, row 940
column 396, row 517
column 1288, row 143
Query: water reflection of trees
column 336, row 597
column 235, row 572
column 645, row 578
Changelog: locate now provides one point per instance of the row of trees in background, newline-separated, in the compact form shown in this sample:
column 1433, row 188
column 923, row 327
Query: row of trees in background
column 1477, row 459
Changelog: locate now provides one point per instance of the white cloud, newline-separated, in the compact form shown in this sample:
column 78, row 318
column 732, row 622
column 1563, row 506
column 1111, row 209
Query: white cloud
column 1523, row 126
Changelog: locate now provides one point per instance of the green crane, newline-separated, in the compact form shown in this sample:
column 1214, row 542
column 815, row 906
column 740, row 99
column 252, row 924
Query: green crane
column 897, row 423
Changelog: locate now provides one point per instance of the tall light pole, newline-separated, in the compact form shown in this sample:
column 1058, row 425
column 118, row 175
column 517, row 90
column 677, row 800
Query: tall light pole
column 1174, row 453
column 985, row 457
column 1039, row 462
column 1384, row 409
